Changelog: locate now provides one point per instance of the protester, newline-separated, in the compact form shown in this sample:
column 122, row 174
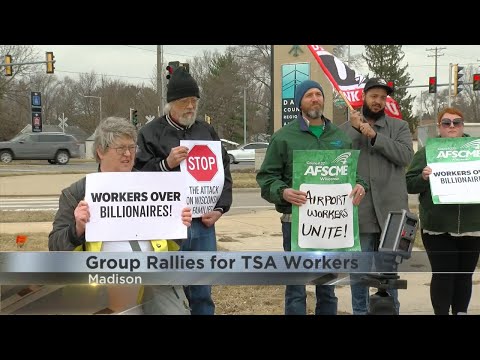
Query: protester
column 114, row 144
column 386, row 148
column 311, row 130
column 450, row 232
column 159, row 150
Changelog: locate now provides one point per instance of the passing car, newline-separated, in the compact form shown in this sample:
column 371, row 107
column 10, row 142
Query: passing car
column 245, row 152
column 57, row 148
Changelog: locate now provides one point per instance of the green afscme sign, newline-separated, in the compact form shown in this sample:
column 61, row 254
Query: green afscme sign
column 455, row 164
column 328, row 221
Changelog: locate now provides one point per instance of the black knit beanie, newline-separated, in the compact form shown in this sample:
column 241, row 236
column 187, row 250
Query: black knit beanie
column 181, row 85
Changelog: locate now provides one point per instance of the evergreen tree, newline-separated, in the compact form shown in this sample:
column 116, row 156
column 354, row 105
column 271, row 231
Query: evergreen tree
column 385, row 62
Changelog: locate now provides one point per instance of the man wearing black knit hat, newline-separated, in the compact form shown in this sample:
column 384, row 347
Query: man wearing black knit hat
column 159, row 150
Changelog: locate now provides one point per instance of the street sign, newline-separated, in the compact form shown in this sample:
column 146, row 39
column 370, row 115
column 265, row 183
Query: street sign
column 202, row 163
column 36, row 122
column 63, row 122
column 36, row 99
column 36, row 106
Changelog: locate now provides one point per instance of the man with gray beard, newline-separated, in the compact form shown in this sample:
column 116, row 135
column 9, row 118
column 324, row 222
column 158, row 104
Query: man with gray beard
column 159, row 150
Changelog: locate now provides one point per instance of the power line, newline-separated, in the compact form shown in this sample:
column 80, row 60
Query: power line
column 136, row 47
column 109, row 75
column 165, row 52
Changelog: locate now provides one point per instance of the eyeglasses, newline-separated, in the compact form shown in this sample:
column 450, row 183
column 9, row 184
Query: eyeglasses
column 446, row 123
column 123, row 149
column 186, row 101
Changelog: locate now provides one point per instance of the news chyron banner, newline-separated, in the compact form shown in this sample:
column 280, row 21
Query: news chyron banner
column 135, row 206
column 195, row 267
column 455, row 164
column 328, row 221
column 204, row 173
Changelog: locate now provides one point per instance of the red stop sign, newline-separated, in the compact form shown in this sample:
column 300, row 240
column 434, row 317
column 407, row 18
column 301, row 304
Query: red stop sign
column 202, row 163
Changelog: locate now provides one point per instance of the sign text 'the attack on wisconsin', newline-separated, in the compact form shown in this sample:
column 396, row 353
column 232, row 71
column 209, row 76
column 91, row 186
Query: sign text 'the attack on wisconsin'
column 205, row 175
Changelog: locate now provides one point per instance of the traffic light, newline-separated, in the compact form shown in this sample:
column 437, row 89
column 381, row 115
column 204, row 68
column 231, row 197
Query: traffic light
column 432, row 84
column 186, row 66
column 8, row 68
column 50, row 61
column 133, row 116
column 457, row 75
column 391, row 84
column 476, row 82
column 172, row 66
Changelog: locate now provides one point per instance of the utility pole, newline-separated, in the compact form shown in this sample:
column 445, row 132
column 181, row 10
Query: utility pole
column 348, row 64
column 436, row 49
column 272, row 100
column 160, row 78
column 450, row 84
column 244, row 115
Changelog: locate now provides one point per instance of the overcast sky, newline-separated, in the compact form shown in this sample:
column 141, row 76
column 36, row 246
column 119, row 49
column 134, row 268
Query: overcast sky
column 135, row 63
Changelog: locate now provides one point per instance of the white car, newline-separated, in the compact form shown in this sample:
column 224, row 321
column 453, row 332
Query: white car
column 245, row 152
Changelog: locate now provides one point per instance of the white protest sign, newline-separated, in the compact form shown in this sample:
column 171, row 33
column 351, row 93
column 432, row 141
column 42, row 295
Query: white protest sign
column 455, row 164
column 205, row 175
column 326, row 220
column 135, row 206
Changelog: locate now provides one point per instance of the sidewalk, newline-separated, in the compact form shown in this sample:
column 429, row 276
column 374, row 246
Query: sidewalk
column 36, row 185
column 260, row 231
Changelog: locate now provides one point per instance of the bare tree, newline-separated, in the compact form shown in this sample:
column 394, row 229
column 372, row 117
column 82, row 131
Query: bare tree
column 48, row 85
column 255, row 61
column 20, row 54
column 468, row 100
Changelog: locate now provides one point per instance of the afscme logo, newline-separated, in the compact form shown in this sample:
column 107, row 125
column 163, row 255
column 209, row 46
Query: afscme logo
column 327, row 170
column 463, row 154
column 474, row 144
column 342, row 158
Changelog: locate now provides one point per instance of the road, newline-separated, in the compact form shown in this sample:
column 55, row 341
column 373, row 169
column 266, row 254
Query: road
column 44, row 167
column 77, row 167
column 243, row 201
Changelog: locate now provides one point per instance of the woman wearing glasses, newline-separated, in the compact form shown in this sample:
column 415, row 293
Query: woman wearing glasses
column 450, row 232
column 115, row 148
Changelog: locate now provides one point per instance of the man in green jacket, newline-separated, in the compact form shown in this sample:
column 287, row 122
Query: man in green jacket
column 309, row 131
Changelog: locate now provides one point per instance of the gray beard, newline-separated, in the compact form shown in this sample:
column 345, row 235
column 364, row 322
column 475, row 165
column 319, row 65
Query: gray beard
column 315, row 114
column 187, row 121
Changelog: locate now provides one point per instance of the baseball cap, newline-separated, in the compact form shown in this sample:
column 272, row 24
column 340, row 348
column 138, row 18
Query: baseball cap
column 377, row 82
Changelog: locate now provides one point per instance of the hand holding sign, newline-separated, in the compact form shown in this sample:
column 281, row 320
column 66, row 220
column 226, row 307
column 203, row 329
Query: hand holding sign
column 176, row 156
column 82, row 216
column 426, row 172
column 295, row 197
column 187, row 217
